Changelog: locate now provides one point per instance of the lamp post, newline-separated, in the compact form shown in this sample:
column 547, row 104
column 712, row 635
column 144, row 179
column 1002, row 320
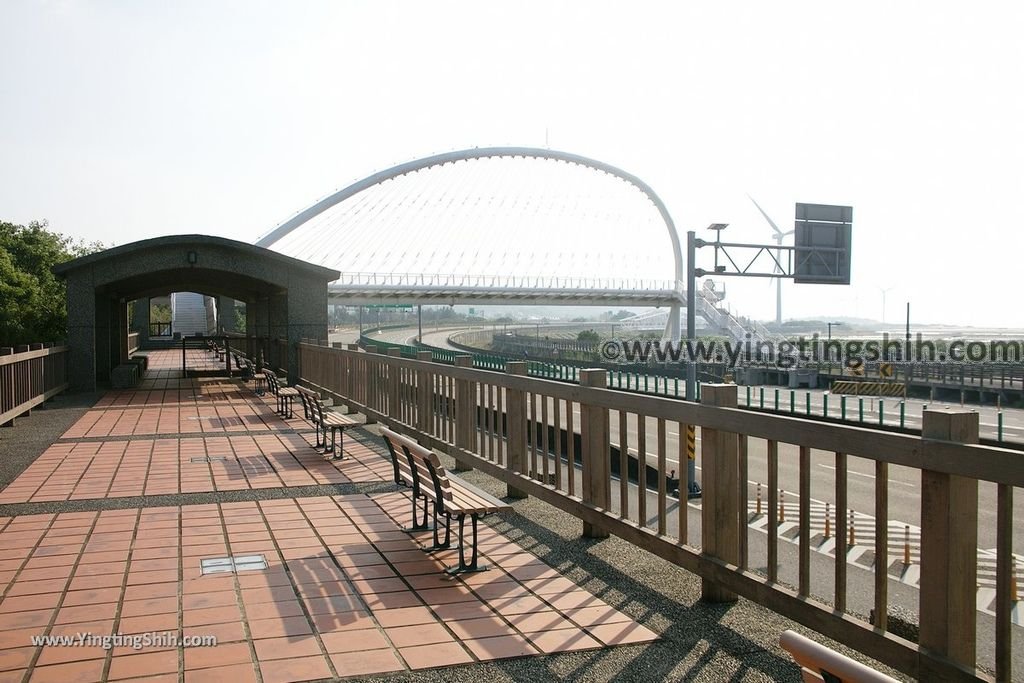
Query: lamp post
column 830, row 325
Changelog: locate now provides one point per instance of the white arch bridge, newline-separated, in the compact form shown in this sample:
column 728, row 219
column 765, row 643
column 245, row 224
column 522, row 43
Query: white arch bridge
column 500, row 225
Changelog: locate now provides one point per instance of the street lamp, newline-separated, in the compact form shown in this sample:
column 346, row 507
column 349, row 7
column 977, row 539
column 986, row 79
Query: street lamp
column 830, row 329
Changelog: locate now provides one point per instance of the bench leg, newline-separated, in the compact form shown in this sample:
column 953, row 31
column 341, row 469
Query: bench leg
column 471, row 566
column 316, row 426
column 339, row 453
column 417, row 525
column 333, row 448
column 438, row 545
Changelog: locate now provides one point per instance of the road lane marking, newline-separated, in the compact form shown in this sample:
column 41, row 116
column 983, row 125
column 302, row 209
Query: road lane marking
column 866, row 476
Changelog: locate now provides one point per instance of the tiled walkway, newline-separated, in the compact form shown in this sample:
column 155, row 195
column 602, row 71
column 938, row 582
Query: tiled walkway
column 345, row 591
column 136, row 467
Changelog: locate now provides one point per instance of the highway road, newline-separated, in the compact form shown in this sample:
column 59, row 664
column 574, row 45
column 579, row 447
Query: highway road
column 432, row 336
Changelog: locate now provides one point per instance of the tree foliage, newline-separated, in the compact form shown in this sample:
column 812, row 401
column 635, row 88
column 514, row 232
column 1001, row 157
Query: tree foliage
column 33, row 305
column 160, row 313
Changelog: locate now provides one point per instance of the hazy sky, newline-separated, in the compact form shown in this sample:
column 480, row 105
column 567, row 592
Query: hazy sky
column 126, row 120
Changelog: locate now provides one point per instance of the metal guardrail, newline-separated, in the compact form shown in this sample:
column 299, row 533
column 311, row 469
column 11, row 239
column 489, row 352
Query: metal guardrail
column 30, row 375
column 869, row 388
column 511, row 427
column 968, row 375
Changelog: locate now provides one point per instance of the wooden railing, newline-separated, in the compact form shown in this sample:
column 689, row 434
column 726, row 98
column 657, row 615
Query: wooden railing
column 29, row 375
column 556, row 442
column 271, row 352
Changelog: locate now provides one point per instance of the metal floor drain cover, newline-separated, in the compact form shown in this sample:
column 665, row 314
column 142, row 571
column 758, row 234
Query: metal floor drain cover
column 209, row 458
column 248, row 563
column 242, row 563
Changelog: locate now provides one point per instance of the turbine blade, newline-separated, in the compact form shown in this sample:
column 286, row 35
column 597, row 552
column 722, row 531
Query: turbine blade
column 778, row 233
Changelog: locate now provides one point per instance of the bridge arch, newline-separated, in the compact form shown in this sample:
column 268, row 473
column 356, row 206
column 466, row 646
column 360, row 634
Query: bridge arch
column 286, row 298
column 434, row 194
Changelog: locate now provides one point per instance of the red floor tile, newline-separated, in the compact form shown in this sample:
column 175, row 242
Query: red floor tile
column 221, row 655
column 368, row 662
column 354, row 641
column 282, row 648
column 500, row 647
column 144, row 664
column 80, row 672
column 236, row 673
column 421, row 634
column 563, row 640
column 295, row 669
column 430, row 656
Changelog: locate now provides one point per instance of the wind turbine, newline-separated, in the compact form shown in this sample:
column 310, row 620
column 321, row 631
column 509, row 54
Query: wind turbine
column 779, row 237
column 884, row 291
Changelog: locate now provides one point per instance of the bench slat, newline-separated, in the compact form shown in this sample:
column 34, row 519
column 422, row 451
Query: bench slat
column 459, row 495
column 339, row 420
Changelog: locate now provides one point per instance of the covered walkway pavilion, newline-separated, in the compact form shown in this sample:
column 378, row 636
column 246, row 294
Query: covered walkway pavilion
column 285, row 298
column 111, row 501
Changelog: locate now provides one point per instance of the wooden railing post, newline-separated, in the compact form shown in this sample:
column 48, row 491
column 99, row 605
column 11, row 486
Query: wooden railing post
column 7, row 384
column 949, row 547
column 515, row 418
column 465, row 412
column 720, row 513
column 595, row 439
column 394, row 384
column 348, row 369
column 425, row 393
column 370, row 376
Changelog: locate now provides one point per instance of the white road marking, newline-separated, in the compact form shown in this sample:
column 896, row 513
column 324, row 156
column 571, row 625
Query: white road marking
column 866, row 476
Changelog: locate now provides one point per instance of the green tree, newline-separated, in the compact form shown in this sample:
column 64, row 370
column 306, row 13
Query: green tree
column 33, row 305
column 160, row 313
column 588, row 337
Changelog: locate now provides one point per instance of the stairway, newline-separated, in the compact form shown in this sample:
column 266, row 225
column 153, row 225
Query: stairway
column 189, row 314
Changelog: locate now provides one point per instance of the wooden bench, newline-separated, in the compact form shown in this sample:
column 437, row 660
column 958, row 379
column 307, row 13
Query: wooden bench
column 285, row 395
column 406, row 476
column 259, row 379
column 215, row 348
column 819, row 664
column 313, row 409
column 453, row 498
